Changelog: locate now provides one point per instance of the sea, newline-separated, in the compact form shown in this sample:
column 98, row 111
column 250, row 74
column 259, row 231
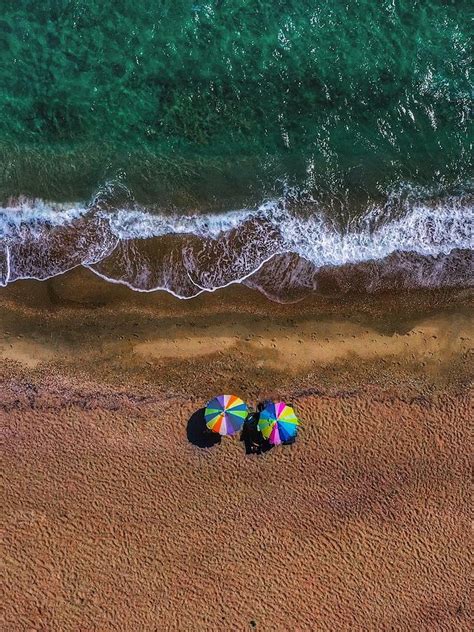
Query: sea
column 292, row 146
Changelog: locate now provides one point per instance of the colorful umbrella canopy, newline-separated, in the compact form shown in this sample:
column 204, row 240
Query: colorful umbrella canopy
column 226, row 414
column 278, row 422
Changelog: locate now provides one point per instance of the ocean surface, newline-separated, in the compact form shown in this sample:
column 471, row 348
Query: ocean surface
column 290, row 145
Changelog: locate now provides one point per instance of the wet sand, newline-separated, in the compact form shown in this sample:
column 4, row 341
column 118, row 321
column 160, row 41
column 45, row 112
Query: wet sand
column 115, row 520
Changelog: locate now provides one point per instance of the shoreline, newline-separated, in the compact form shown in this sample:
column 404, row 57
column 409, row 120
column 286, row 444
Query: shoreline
column 285, row 249
column 113, row 514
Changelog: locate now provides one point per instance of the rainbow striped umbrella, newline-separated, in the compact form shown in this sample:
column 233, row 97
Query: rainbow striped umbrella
column 278, row 422
column 226, row 414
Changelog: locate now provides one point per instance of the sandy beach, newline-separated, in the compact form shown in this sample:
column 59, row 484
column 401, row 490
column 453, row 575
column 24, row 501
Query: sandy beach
column 114, row 519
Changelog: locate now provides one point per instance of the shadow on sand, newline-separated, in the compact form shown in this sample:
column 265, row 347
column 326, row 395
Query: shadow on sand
column 198, row 433
column 252, row 439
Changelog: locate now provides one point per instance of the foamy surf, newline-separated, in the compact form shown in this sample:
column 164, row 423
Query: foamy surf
column 272, row 248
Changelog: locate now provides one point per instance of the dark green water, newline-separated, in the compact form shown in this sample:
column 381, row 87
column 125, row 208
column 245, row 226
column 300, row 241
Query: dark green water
column 222, row 103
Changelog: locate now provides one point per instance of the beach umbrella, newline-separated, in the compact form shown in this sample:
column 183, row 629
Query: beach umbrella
column 225, row 414
column 278, row 422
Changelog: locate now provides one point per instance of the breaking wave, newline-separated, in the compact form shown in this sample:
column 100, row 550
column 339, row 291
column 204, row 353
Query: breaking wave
column 279, row 249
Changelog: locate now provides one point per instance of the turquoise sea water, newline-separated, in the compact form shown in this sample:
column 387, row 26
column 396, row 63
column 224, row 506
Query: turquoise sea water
column 189, row 107
column 192, row 100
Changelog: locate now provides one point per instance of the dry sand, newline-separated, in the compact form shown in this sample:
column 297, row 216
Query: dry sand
column 115, row 520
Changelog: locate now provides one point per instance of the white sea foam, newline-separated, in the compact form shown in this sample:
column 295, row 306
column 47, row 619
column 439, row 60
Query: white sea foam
column 187, row 255
column 40, row 240
column 140, row 224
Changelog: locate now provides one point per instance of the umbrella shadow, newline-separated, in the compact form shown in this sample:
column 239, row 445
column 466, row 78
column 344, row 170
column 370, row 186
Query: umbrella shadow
column 252, row 438
column 198, row 433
